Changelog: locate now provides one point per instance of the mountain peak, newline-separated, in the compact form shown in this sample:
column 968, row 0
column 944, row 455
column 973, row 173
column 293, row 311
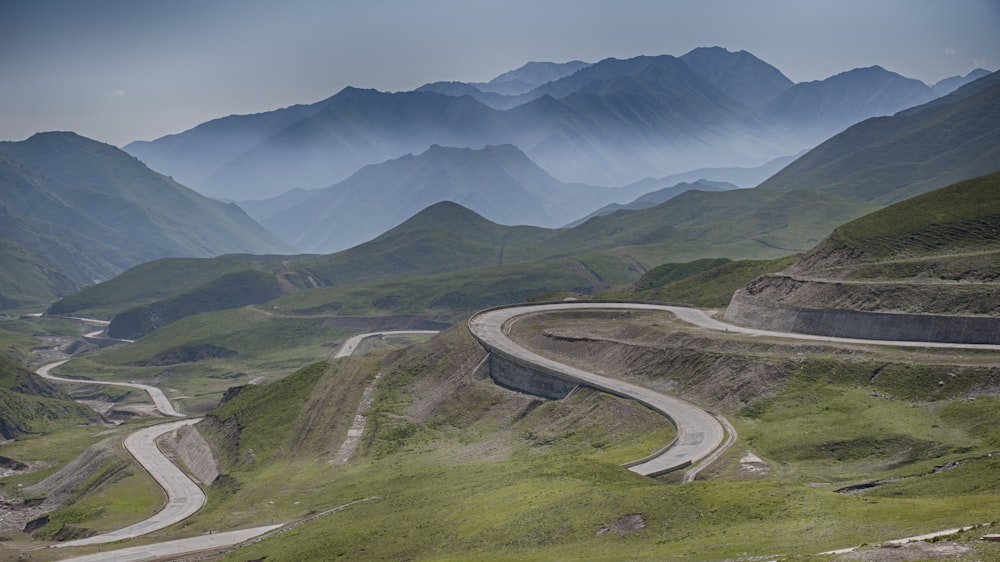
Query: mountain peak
column 742, row 76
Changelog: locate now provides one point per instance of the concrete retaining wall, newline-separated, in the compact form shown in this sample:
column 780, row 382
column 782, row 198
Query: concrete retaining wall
column 196, row 454
column 513, row 375
column 748, row 311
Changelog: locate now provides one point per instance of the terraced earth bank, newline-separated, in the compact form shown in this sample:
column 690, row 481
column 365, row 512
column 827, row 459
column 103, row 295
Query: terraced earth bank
column 927, row 268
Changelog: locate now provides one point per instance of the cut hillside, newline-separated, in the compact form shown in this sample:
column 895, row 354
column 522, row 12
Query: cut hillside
column 934, row 254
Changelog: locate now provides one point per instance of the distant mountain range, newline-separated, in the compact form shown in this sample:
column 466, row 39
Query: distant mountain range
column 76, row 211
column 612, row 123
column 498, row 182
column 852, row 174
column 654, row 198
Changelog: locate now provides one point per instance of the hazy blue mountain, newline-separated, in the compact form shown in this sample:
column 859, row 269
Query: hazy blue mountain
column 528, row 77
column 618, row 121
column 498, row 182
column 888, row 159
column 814, row 111
column 656, row 197
column 740, row 177
column 77, row 211
column 623, row 120
column 191, row 157
column 742, row 76
column 949, row 85
column 261, row 209
column 490, row 99
column 609, row 123
column 356, row 128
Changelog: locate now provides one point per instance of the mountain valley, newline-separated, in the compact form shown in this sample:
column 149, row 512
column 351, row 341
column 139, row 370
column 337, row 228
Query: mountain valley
column 305, row 294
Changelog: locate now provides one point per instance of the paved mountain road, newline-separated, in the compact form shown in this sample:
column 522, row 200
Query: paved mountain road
column 159, row 399
column 184, row 496
column 699, row 433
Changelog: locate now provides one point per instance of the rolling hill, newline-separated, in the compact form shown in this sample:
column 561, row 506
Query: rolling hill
column 497, row 182
column 78, row 211
column 30, row 405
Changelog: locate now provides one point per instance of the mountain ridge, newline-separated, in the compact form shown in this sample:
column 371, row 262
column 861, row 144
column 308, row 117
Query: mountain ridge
column 499, row 182
column 86, row 211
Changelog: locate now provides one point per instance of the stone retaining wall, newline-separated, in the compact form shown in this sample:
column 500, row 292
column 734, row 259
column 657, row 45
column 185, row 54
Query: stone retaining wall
column 745, row 310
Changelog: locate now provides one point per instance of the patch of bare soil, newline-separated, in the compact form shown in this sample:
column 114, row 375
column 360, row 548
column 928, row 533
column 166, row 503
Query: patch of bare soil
column 917, row 550
column 754, row 466
column 624, row 525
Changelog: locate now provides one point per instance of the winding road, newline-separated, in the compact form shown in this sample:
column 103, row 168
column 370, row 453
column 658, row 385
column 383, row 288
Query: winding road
column 699, row 433
column 701, row 437
column 184, row 496
column 159, row 399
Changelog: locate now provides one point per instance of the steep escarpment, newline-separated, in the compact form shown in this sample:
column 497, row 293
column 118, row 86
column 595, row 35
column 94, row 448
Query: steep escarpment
column 925, row 268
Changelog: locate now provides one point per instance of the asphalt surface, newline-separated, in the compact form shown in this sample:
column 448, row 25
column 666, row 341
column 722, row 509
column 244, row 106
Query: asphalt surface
column 698, row 432
column 348, row 347
column 184, row 497
column 168, row 549
column 159, row 399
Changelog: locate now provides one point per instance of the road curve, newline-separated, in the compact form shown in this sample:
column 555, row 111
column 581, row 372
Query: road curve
column 159, row 399
column 698, row 432
column 184, row 497
column 347, row 348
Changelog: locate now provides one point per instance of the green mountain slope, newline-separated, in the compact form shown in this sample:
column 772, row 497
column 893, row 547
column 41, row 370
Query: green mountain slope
column 30, row 405
column 888, row 159
column 444, row 237
column 84, row 211
column 782, row 217
column 937, row 253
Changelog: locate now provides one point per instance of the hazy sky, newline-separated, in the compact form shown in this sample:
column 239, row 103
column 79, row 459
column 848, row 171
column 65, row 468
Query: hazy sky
column 121, row 70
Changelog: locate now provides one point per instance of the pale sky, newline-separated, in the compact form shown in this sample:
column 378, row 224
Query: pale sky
column 124, row 70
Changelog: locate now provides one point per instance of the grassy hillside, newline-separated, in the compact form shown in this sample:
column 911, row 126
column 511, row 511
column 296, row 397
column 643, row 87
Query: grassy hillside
column 707, row 283
column 79, row 211
column 936, row 253
column 488, row 473
column 29, row 405
column 963, row 218
column 231, row 290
